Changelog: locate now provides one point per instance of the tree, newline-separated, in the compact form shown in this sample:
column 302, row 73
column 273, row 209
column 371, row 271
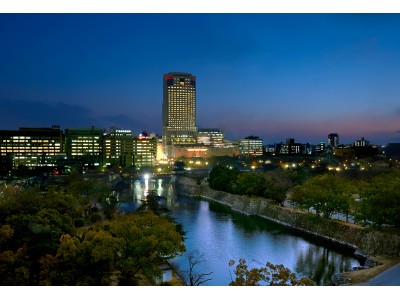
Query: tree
column 40, row 234
column 251, row 184
column 109, row 205
column 380, row 200
column 194, row 278
column 37, row 220
column 275, row 190
column 223, row 179
column 152, row 203
column 326, row 194
column 273, row 275
column 299, row 197
column 32, row 200
column 147, row 239
column 14, row 265
column 95, row 191
column 87, row 262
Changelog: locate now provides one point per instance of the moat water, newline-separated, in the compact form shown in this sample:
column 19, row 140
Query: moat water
column 221, row 235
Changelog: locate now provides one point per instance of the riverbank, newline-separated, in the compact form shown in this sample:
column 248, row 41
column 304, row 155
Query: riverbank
column 365, row 242
column 364, row 275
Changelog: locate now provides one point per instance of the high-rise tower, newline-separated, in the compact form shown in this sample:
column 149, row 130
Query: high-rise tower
column 333, row 140
column 179, row 110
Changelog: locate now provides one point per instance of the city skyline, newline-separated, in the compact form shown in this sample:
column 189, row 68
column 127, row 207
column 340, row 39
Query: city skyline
column 276, row 76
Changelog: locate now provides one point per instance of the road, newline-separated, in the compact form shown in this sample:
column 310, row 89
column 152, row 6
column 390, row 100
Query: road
column 390, row 277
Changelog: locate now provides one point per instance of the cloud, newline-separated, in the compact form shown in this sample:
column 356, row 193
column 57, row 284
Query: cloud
column 22, row 113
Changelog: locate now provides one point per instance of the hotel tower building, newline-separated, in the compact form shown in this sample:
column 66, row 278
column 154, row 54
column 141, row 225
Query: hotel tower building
column 179, row 110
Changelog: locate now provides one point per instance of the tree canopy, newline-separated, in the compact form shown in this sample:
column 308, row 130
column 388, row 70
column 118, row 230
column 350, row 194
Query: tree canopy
column 272, row 275
column 40, row 245
column 269, row 185
column 147, row 239
column 326, row 194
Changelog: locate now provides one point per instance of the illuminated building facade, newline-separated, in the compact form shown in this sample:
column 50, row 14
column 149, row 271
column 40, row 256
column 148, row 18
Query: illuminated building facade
column 320, row 148
column 333, row 140
column 211, row 137
column 344, row 151
column 289, row 148
column 179, row 110
column 32, row 147
column 85, row 144
column 161, row 158
column 190, row 151
column 145, row 150
column 361, row 143
column 251, row 146
column 118, row 147
column 363, row 148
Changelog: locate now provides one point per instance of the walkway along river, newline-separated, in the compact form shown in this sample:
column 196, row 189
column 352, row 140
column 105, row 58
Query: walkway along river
column 222, row 234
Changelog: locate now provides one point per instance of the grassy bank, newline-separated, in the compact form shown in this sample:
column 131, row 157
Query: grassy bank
column 361, row 276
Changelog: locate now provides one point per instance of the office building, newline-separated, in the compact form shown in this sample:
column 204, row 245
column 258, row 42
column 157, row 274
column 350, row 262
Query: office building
column 320, row 148
column 289, row 148
column 333, row 140
column 344, row 151
column 85, row 144
column 145, row 150
column 361, row 143
column 363, row 148
column 31, row 147
column 118, row 147
column 179, row 110
column 251, row 146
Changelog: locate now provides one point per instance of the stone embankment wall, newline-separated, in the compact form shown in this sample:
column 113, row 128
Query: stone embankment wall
column 368, row 242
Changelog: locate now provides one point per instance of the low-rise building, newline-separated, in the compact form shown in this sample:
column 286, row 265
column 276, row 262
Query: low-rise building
column 210, row 137
column 85, row 143
column 145, row 150
column 251, row 146
column 289, row 148
column 32, row 147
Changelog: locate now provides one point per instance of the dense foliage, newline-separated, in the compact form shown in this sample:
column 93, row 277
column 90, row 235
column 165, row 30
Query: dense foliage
column 146, row 240
column 326, row 194
column 372, row 198
column 272, row 185
column 223, row 179
column 380, row 200
column 40, row 245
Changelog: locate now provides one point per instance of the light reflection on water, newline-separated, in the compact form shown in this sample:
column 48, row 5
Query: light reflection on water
column 222, row 235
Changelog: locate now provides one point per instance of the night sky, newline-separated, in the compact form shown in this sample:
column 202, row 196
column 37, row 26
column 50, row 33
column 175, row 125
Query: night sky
column 273, row 75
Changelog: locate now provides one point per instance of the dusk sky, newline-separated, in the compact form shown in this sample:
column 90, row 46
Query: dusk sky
column 272, row 75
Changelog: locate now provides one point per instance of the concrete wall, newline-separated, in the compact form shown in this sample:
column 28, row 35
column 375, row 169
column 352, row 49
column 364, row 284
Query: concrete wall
column 369, row 242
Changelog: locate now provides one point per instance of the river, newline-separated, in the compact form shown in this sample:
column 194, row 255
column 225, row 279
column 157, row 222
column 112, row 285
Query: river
column 221, row 235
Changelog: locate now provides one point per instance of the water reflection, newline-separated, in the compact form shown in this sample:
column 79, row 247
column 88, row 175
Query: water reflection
column 221, row 235
column 141, row 187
